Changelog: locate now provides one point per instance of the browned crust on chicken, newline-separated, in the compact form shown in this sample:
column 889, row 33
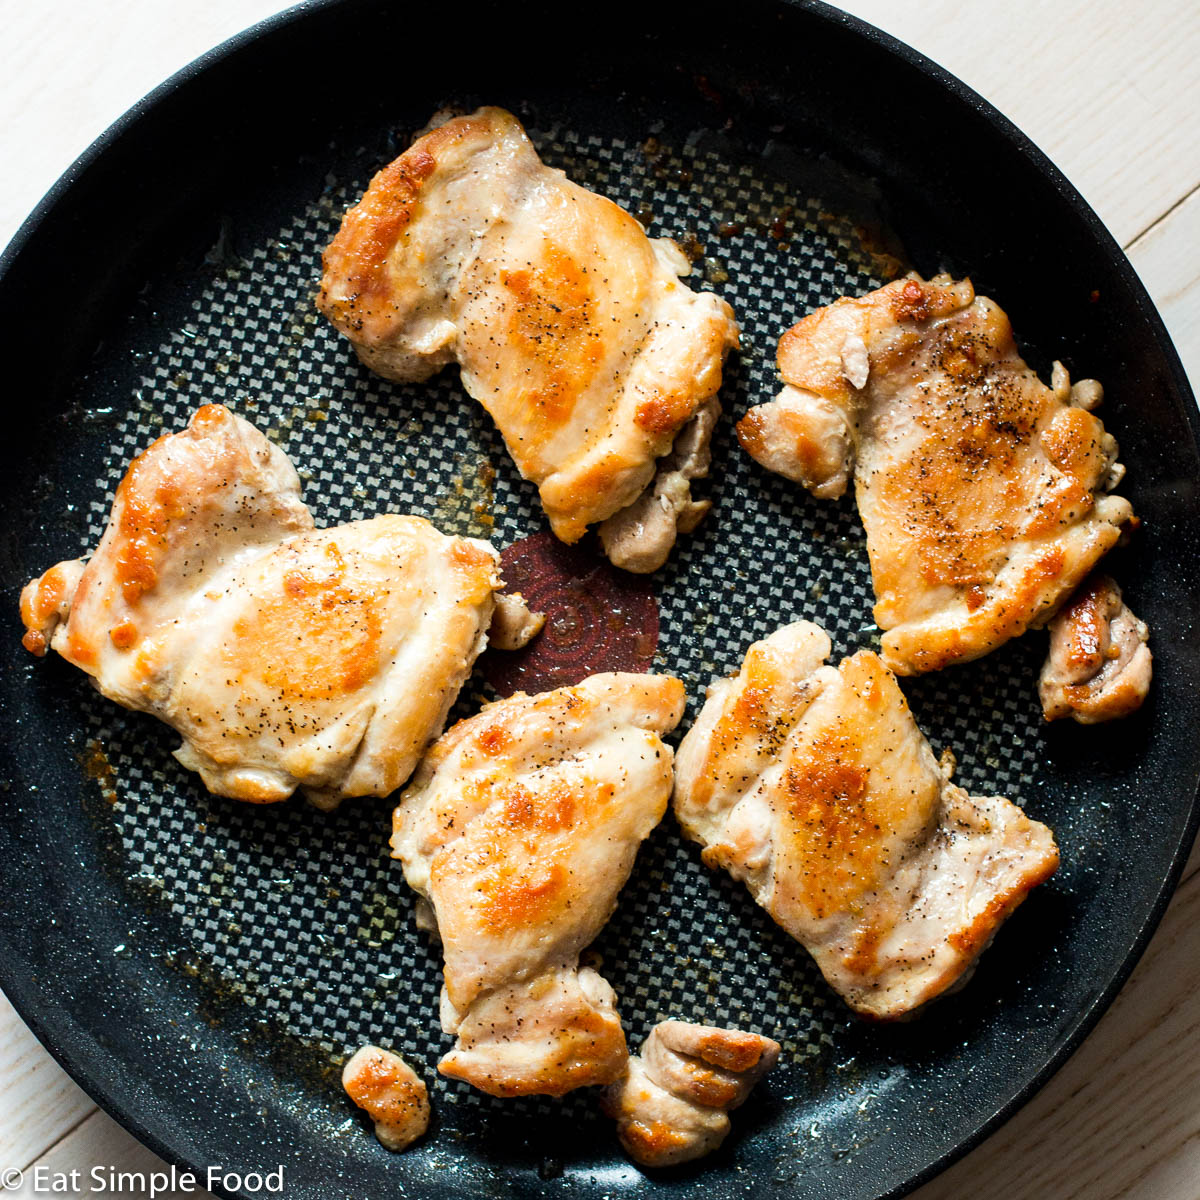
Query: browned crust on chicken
column 520, row 828
column 984, row 492
column 390, row 1092
column 285, row 656
column 815, row 787
column 357, row 258
column 570, row 325
column 671, row 1104
column 544, row 1037
column 1098, row 667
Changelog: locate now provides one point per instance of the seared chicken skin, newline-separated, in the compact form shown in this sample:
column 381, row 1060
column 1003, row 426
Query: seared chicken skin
column 569, row 324
column 984, row 492
column 519, row 829
column 672, row 1104
column 1099, row 666
column 285, row 656
column 814, row 786
column 390, row 1092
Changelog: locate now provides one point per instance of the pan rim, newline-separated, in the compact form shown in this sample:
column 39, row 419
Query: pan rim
column 25, row 995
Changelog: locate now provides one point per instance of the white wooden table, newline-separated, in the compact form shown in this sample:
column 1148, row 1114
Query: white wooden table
column 1111, row 91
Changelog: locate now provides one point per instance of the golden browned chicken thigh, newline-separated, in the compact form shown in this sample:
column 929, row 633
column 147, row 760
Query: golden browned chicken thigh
column 284, row 655
column 672, row 1105
column 569, row 324
column 984, row 493
column 813, row 785
column 519, row 829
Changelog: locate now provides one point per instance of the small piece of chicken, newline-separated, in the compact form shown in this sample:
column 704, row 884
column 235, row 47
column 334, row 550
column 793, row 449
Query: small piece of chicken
column 284, row 656
column 814, row 786
column 1099, row 666
column 390, row 1092
column 569, row 324
column 672, row 1104
column 640, row 537
column 982, row 490
column 514, row 625
column 519, row 829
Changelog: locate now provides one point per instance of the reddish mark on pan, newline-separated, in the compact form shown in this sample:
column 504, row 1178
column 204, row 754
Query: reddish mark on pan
column 597, row 617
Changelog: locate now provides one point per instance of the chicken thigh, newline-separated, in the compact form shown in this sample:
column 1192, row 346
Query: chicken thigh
column 814, row 786
column 285, row 656
column 984, row 493
column 569, row 324
column 519, row 829
column 672, row 1105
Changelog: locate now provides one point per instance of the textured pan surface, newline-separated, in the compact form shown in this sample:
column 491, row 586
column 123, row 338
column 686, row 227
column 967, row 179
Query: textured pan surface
column 203, row 967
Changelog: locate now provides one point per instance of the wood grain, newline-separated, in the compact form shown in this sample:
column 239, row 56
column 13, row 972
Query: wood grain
column 38, row 1101
column 1108, row 90
column 1167, row 257
column 1122, row 1118
column 99, row 1142
column 67, row 79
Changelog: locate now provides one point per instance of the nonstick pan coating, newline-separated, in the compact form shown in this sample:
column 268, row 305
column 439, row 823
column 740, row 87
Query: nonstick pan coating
column 201, row 967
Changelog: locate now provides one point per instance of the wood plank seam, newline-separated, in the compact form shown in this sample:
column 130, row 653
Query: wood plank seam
column 1129, row 246
column 66, row 1133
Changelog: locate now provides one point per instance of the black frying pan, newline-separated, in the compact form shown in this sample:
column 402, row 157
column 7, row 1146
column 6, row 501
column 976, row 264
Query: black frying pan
column 202, row 967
